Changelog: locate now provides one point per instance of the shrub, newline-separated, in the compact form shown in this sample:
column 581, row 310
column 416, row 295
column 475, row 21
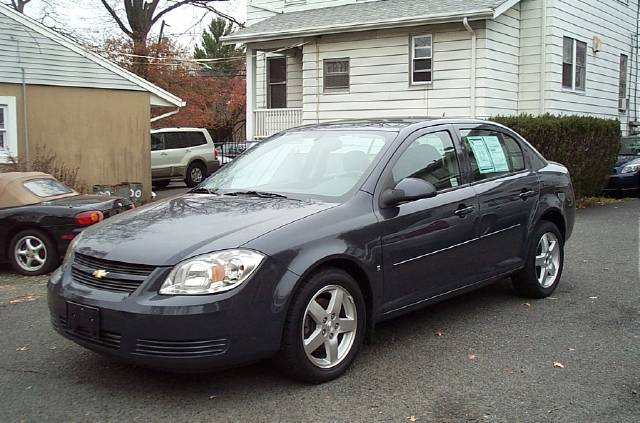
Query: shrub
column 588, row 146
column 46, row 161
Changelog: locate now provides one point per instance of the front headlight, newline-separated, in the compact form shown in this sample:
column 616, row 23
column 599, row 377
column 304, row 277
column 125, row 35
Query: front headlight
column 631, row 168
column 71, row 248
column 212, row 273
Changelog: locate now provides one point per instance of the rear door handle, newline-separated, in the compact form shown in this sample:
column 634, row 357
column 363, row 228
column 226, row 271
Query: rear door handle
column 526, row 194
column 464, row 210
column 164, row 154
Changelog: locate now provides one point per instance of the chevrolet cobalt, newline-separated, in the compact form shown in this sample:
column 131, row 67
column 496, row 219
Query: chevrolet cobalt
column 302, row 244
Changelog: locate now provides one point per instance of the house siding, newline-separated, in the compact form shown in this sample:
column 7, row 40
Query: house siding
column 615, row 23
column 379, row 75
column 46, row 62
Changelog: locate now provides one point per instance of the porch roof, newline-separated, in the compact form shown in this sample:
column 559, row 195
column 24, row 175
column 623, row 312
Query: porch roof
column 368, row 16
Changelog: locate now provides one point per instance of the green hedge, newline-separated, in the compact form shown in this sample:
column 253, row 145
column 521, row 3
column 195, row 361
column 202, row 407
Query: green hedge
column 588, row 146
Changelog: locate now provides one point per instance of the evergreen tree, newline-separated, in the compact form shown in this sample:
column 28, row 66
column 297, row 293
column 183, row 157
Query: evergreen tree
column 212, row 48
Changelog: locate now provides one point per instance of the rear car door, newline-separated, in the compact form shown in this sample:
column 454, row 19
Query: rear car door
column 508, row 190
column 177, row 146
column 425, row 243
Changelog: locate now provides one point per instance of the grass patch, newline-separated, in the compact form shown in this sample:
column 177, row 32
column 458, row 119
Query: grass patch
column 586, row 202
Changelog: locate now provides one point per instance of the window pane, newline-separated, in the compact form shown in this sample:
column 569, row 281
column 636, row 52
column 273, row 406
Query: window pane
column 581, row 53
column 567, row 76
column 337, row 67
column 175, row 140
column 156, row 142
column 432, row 158
column 422, row 42
column 277, row 69
column 46, row 187
column 2, row 144
column 278, row 96
column 623, row 76
column 422, row 77
column 422, row 64
column 195, row 139
column 581, row 78
column 337, row 81
column 489, row 155
column 2, row 118
column 567, row 50
column 422, row 52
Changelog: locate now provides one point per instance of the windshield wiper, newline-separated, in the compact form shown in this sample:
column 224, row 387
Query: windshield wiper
column 261, row 194
column 203, row 190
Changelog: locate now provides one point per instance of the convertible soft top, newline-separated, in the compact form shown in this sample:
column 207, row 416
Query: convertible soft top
column 13, row 192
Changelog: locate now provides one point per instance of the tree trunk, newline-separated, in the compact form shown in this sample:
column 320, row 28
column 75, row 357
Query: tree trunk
column 140, row 64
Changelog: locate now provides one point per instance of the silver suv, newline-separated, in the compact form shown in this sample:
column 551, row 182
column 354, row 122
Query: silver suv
column 187, row 153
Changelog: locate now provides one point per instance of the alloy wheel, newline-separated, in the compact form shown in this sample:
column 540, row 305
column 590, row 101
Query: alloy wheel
column 548, row 260
column 30, row 253
column 196, row 174
column 329, row 326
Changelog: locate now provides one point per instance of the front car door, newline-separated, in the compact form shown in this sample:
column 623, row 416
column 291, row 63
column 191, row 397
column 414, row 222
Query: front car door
column 425, row 243
column 160, row 167
column 508, row 190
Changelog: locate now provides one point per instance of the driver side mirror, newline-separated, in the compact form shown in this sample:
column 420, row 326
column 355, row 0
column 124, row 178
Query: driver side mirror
column 408, row 189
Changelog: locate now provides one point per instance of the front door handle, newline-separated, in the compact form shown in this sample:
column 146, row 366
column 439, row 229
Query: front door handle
column 164, row 154
column 464, row 210
column 526, row 194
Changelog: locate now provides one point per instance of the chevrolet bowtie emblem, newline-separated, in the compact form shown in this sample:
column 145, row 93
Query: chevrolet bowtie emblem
column 99, row 274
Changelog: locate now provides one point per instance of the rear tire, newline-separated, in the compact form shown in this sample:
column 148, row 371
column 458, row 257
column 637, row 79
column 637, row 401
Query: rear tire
column 545, row 260
column 328, row 315
column 32, row 253
column 196, row 173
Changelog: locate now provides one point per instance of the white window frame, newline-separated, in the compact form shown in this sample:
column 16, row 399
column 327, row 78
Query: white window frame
column 413, row 59
column 8, row 104
column 623, row 83
column 574, row 65
column 343, row 89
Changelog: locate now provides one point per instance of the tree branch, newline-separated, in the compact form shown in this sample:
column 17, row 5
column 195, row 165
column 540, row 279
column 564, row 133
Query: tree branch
column 219, row 13
column 169, row 9
column 115, row 16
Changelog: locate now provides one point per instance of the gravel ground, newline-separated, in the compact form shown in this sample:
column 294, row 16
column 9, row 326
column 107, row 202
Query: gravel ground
column 493, row 361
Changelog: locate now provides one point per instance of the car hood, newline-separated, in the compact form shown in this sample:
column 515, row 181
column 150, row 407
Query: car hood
column 623, row 160
column 165, row 233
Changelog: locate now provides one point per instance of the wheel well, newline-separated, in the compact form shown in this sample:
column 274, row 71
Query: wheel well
column 199, row 161
column 362, row 280
column 13, row 231
column 556, row 218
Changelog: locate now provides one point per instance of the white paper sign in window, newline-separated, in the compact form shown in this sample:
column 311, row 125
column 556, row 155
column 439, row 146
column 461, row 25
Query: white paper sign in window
column 489, row 154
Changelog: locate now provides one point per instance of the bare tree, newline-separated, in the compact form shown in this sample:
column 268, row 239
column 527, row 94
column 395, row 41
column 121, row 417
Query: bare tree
column 141, row 15
column 19, row 4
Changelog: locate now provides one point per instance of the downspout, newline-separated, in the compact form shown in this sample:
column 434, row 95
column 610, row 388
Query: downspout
column 636, row 48
column 474, row 55
column 25, row 107
column 317, row 81
column 543, row 54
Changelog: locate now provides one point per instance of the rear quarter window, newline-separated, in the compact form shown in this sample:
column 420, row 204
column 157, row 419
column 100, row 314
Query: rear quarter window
column 492, row 153
column 46, row 187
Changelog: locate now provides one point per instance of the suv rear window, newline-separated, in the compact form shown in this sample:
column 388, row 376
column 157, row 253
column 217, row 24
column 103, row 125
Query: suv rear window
column 46, row 187
column 175, row 140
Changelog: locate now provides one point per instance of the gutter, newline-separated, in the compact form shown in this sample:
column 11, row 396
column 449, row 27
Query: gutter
column 474, row 68
column 165, row 115
column 441, row 18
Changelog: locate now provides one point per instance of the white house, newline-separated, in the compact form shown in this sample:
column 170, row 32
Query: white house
column 311, row 61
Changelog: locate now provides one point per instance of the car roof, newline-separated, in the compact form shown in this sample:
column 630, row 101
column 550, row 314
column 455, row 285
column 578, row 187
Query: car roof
column 177, row 129
column 393, row 125
column 13, row 193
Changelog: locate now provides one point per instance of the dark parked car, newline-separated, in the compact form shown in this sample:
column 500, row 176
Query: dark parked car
column 625, row 178
column 39, row 216
column 302, row 244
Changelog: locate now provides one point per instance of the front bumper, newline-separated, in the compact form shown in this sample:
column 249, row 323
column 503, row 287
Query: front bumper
column 624, row 183
column 184, row 333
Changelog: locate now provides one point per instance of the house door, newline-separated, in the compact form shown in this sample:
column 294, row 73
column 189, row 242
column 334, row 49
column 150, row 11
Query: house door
column 277, row 82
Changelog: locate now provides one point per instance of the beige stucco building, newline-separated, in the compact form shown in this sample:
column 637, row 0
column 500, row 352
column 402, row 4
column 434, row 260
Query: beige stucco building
column 57, row 97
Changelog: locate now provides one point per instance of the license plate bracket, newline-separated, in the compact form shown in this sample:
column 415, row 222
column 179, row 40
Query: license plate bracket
column 84, row 319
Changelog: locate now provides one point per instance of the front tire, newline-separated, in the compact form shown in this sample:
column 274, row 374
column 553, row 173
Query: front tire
column 196, row 173
column 325, row 327
column 32, row 252
column 545, row 260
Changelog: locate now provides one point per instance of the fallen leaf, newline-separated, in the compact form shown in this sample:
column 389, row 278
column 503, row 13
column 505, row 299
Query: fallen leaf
column 527, row 304
column 212, row 397
column 22, row 349
column 634, row 392
column 552, row 298
column 508, row 370
column 593, row 298
column 412, row 418
column 558, row 365
column 571, row 349
column 472, row 357
column 439, row 333
column 25, row 299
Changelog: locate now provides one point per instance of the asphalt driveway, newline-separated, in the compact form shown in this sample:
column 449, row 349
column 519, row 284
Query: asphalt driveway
column 485, row 357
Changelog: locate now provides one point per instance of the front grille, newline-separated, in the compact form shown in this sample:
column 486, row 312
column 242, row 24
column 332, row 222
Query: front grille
column 181, row 349
column 118, row 276
column 107, row 339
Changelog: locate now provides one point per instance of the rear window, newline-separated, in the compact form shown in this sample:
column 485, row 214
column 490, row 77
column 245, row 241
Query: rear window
column 175, row 140
column 47, row 187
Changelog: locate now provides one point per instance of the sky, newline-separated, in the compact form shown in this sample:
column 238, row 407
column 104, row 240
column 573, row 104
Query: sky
column 89, row 21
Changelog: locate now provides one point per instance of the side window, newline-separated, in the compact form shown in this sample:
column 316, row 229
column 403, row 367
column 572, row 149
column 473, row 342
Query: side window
column 156, row 142
column 195, row 139
column 431, row 157
column 492, row 153
column 175, row 140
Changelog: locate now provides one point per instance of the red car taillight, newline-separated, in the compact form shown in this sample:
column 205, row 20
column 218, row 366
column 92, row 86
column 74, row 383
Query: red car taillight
column 215, row 153
column 89, row 218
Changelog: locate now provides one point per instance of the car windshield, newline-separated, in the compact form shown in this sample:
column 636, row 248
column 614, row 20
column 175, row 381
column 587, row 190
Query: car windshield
column 630, row 147
column 47, row 187
column 322, row 164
